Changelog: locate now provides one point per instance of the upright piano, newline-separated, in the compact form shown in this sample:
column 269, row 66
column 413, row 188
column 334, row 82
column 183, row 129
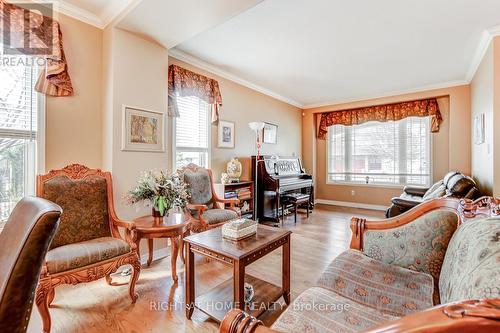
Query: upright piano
column 276, row 177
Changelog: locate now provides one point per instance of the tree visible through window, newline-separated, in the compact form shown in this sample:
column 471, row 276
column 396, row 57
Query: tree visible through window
column 18, row 131
column 381, row 153
column 192, row 132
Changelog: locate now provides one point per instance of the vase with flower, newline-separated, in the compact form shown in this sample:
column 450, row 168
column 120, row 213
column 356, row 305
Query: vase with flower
column 161, row 191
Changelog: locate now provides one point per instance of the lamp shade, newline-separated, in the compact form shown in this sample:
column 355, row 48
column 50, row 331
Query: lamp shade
column 256, row 125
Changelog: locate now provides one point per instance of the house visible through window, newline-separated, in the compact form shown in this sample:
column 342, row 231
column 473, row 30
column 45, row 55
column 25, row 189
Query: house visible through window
column 19, row 107
column 393, row 153
column 192, row 132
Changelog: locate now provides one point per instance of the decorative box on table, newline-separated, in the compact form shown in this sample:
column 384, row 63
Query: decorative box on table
column 239, row 229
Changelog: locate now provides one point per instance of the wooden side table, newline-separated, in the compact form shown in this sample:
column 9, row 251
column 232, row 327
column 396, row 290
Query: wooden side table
column 171, row 226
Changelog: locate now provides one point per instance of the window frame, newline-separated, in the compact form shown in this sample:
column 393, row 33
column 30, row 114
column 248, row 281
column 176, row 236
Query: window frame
column 209, row 142
column 379, row 185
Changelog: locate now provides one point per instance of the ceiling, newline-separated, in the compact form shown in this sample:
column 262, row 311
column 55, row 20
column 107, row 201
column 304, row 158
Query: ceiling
column 315, row 52
column 322, row 51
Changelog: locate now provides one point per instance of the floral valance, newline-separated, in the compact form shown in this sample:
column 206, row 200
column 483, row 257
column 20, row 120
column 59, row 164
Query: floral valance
column 382, row 113
column 182, row 82
column 45, row 41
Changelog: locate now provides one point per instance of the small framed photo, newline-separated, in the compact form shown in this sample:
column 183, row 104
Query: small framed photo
column 143, row 130
column 479, row 137
column 270, row 133
column 225, row 137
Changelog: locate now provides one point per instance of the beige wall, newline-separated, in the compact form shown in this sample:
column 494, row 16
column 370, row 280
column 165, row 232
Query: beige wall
column 243, row 105
column 73, row 124
column 451, row 145
column 482, row 103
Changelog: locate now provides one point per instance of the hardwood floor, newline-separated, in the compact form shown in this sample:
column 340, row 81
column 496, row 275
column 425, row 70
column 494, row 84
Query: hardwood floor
column 97, row 307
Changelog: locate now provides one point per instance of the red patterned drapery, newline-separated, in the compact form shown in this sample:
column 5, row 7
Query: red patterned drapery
column 389, row 112
column 47, row 43
column 186, row 83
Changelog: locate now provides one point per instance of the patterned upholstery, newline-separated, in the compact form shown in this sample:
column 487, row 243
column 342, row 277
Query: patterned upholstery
column 321, row 310
column 419, row 245
column 214, row 216
column 200, row 187
column 471, row 267
column 388, row 288
column 85, row 208
column 71, row 256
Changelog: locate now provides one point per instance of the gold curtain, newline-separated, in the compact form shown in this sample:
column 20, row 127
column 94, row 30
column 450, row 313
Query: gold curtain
column 389, row 112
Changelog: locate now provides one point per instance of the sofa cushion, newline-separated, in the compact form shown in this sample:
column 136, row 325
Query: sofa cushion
column 77, row 255
column 214, row 216
column 320, row 310
column 437, row 190
column 471, row 267
column 388, row 288
column 85, row 208
column 419, row 245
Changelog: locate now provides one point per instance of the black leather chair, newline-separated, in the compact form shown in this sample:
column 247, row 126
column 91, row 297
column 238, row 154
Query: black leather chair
column 23, row 244
column 454, row 184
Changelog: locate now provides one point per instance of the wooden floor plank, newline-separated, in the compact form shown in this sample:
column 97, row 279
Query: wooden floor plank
column 97, row 307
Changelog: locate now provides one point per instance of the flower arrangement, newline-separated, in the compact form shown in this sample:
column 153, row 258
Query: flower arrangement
column 160, row 190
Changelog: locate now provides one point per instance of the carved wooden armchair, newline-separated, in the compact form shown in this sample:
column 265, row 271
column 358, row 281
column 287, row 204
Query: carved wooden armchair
column 424, row 241
column 88, row 245
column 205, row 209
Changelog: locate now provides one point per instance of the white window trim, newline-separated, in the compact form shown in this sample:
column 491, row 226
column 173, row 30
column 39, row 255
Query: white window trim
column 393, row 186
column 174, row 143
column 41, row 130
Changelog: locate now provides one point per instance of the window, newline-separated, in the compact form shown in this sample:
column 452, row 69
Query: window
column 19, row 116
column 192, row 132
column 389, row 153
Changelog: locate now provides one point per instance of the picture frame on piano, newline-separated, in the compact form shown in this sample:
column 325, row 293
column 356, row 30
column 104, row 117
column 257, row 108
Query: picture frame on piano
column 270, row 133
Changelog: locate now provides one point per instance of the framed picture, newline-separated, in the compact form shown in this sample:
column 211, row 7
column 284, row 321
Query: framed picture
column 270, row 133
column 225, row 137
column 143, row 130
column 479, row 137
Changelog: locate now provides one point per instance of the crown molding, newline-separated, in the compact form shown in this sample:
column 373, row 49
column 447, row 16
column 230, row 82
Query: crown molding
column 484, row 43
column 449, row 84
column 78, row 13
column 183, row 56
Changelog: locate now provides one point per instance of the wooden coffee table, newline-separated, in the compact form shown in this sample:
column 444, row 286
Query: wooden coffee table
column 217, row 302
column 171, row 226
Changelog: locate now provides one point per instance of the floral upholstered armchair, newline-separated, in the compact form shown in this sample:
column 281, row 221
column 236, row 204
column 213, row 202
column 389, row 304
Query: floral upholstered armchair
column 88, row 245
column 205, row 209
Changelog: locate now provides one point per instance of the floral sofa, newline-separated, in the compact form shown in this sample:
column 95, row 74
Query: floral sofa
column 401, row 273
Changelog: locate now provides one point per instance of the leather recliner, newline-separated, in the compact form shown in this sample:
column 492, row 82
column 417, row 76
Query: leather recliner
column 454, row 184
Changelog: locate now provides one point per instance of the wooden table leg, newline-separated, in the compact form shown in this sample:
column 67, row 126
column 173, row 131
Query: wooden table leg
column 239, row 285
column 150, row 251
column 173, row 256
column 138, row 246
column 285, row 274
column 190, row 292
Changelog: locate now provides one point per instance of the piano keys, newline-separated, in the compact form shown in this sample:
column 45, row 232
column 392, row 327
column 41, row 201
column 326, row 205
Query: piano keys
column 278, row 176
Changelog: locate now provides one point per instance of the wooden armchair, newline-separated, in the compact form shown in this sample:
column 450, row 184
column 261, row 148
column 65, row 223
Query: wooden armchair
column 88, row 245
column 205, row 209
column 434, row 221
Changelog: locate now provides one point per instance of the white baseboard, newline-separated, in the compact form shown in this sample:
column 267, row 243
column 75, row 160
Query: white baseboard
column 350, row 204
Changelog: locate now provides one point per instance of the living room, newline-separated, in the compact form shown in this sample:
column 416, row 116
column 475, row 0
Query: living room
column 320, row 128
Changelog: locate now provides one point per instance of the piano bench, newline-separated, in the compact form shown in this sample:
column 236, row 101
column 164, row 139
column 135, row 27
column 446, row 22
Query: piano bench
column 296, row 199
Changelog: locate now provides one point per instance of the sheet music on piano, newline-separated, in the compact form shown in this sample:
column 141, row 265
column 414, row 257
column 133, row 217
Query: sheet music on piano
column 277, row 176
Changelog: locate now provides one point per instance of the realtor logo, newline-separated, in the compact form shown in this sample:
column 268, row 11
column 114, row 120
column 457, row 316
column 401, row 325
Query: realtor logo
column 27, row 28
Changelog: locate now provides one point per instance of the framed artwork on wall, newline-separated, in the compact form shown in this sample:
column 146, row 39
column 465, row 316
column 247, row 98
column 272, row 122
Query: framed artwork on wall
column 270, row 133
column 143, row 130
column 479, row 137
column 226, row 135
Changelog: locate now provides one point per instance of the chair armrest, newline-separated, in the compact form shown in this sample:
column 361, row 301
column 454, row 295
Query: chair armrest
column 415, row 190
column 405, row 203
column 124, row 224
column 231, row 202
column 359, row 225
column 199, row 208
column 464, row 316
column 238, row 321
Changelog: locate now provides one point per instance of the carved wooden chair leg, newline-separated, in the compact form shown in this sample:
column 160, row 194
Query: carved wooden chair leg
column 182, row 246
column 52, row 294
column 136, row 270
column 42, row 302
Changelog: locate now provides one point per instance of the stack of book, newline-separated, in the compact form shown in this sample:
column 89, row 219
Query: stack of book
column 231, row 195
column 243, row 193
